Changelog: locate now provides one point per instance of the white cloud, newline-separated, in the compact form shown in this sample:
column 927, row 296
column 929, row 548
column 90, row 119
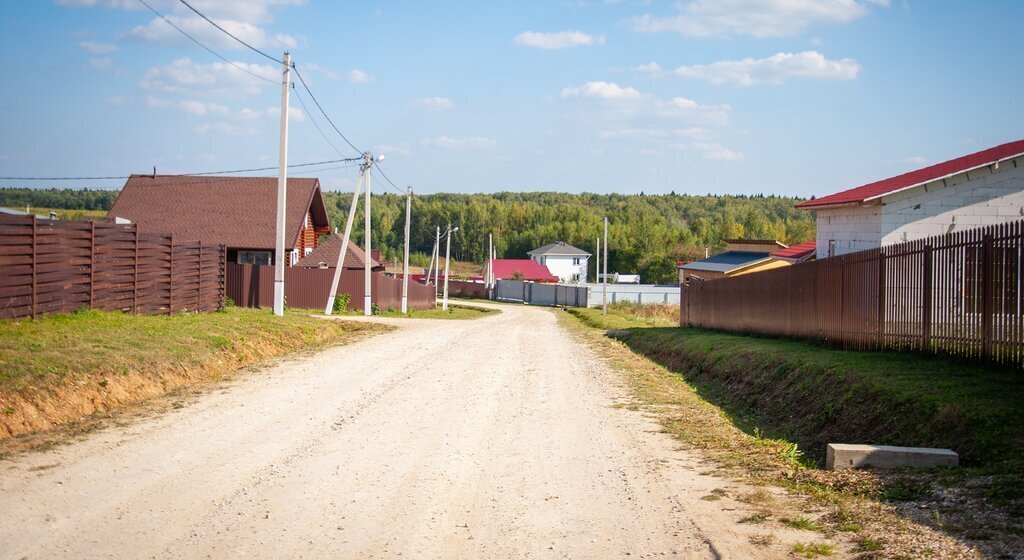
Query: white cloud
column 109, row 4
column 101, row 63
column 118, row 100
column 775, row 69
column 93, row 47
column 157, row 31
column 357, row 76
column 756, row 18
column 649, row 68
column 455, row 143
column 218, row 79
column 718, row 152
column 601, row 90
column 652, row 133
column 187, row 106
column 623, row 113
column 198, row 108
column 915, row 160
column 433, row 104
column 557, row 39
column 294, row 114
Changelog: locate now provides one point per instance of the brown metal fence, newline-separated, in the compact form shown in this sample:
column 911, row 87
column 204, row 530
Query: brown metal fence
column 51, row 266
column 464, row 289
column 307, row 288
column 958, row 294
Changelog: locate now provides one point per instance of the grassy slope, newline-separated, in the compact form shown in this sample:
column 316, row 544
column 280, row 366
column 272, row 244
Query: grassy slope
column 61, row 367
column 813, row 395
column 751, row 401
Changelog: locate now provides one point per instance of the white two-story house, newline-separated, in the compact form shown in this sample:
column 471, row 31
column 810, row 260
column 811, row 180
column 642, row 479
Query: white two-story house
column 969, row 192
column 566, row 262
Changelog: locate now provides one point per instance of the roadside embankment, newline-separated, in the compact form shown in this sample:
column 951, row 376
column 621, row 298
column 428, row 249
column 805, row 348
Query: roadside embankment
column 60, row 369
column 765, row 409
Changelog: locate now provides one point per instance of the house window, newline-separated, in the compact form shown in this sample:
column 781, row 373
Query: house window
column 259, row 258
column 293, row 257
column 831, row 247
column 576, row 261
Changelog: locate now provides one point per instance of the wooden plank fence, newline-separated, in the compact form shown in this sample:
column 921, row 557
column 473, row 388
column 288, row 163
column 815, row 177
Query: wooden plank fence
column 958, row 294
column 51, row 266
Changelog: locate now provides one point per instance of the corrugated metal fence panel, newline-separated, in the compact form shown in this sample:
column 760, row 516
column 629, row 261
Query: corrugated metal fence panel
column 542, row 294
column 50, row 266
column 959, row 294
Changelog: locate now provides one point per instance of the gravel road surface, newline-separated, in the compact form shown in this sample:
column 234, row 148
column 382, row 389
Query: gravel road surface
column 492, row 438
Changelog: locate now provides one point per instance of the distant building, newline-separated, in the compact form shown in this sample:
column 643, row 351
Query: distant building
column 801, row 252
column 742, row 256
column 968, row 192
column 566, row 262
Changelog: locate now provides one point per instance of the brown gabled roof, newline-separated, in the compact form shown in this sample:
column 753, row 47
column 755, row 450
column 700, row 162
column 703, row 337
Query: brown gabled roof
column 327, row 253
column 239, row 212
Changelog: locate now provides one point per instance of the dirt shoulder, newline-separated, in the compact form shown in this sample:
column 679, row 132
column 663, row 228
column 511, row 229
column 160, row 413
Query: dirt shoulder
column 60, row 371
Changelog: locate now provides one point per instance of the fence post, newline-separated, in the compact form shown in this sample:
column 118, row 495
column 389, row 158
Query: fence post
column 199, row 292
column 170, row 280
column 881, row 298
column 135, row 282
column 92, row 261
column 223, row 279
column 34, row 266
column 986, row 296
column 926, row 303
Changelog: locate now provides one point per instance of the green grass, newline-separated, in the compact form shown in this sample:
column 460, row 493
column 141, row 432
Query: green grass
column 762, row 409
column 61, row 349
column 801, row 522
column 812, row 395
column 814, row 550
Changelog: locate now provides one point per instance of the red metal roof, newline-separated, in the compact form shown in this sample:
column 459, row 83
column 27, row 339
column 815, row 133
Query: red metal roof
column 796, row 251
column 919, row 177
column 531, row 270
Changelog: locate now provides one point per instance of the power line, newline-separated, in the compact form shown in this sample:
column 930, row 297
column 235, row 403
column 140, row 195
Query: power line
column 393, row 185
column 208, row 49
column 297, row 73
column 313, row 120
column 324, row 113
column 94, row 178
column 229, row 34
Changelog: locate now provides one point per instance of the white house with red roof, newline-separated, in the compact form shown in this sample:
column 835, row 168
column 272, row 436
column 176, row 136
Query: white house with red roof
column 968, row 192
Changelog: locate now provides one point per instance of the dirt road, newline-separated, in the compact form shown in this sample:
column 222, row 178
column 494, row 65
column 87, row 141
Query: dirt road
column 492, row 438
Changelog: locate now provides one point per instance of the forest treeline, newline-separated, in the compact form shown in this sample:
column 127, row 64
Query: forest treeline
column 647, row 233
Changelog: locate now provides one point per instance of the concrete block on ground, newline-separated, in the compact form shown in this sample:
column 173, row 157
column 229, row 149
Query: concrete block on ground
column 851, row 456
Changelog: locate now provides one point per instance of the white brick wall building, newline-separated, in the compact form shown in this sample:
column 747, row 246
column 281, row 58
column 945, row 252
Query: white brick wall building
column 966, row 193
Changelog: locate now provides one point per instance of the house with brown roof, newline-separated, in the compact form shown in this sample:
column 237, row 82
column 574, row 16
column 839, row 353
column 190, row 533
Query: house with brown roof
column 326, row 256
column 238, row 212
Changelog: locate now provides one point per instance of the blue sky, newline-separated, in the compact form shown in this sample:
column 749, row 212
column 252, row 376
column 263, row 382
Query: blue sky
column 792, row 97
